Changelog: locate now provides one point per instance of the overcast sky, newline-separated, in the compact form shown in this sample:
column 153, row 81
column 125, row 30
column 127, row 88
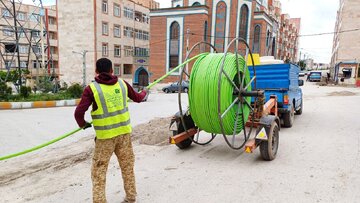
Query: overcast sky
column 317, row 16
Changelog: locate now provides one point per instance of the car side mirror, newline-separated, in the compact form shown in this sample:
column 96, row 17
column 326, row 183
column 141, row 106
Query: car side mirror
column 301, row 83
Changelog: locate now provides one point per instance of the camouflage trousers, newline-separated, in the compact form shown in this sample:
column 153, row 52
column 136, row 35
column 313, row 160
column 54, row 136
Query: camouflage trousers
column 122, row 147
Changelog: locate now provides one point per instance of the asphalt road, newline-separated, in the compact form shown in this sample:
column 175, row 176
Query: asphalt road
column 318, row 158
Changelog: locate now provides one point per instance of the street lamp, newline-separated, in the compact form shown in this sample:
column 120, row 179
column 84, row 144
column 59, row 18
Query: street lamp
column 83, row 54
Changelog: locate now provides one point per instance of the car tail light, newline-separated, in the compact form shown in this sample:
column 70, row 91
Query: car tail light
column 286, row 99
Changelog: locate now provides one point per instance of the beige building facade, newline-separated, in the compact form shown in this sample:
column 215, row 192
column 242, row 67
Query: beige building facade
column 118, row 30
column 346, row 45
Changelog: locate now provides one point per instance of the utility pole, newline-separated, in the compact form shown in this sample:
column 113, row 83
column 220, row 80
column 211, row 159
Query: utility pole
column 187, row 51
column 17, row 43
column 83, row 54
column 42, row 40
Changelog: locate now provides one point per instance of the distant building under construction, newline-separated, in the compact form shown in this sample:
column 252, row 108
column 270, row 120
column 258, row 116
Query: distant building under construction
column 28, row 38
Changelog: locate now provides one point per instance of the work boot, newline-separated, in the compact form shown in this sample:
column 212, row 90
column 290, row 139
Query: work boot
column 126, row 200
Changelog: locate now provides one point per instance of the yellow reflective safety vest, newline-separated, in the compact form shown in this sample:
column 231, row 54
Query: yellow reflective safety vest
column 112, row 117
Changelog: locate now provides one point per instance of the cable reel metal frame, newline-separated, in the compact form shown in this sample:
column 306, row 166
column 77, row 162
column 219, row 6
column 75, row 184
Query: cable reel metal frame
column 183, row 73
column 241, row 94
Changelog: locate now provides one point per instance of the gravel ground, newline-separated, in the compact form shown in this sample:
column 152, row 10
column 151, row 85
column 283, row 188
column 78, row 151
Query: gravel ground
column 318, row 159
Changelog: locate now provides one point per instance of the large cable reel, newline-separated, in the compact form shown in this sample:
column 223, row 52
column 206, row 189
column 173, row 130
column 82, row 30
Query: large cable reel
column 220, row 94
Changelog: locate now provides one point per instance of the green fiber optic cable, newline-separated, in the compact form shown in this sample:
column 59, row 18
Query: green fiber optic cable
column 203, row 93
column 77, row 130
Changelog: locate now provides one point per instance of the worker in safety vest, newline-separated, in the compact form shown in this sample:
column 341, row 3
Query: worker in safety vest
column 108, row 97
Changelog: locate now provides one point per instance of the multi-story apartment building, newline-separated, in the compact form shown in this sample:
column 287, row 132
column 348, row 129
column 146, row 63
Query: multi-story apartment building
column 289, row 38
column 36, row 50
column 346, row 44
column 174, row 30
column 115, row 29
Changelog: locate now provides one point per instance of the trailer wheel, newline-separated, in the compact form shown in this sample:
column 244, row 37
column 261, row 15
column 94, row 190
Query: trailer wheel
column 289, row 117
column 269, row 148
column 190, row 124
column 299, row 112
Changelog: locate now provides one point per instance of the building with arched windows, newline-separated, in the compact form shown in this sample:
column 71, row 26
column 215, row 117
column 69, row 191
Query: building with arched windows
column 173, row 31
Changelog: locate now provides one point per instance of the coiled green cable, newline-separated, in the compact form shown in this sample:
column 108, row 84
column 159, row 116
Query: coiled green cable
column 203, row 93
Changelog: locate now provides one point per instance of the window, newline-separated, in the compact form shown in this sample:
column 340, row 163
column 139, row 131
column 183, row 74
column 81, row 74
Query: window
column 145, row 18
column 117, row 11
column 52, row 35
column 146, row 35
column 35, row 17
column 128, row 50
column 21, row 33
column 105, row 28
column 138, row 16
column 268, row 38
column 53, row 50
column 9, row 64
column 36, row 49
column 35, row 33
column 104, row 6
column 347, row 72
column 256, row 44
column 244, row 19
column 220, row 22
column 117, row 51
column 117, row 31
column 36, row 64
column 10, row 48
column 138, row 34
column 104, row 49
column 5, row 13
column 23, row 49
column 141, row 52
column 128, row 13
column 128, row 32
column 205, row 31
column 52, row 21
column 21, row 16
column 8, row 31
column 23, row 64
column 117, row 69
column 174, row 50
column 127, row 69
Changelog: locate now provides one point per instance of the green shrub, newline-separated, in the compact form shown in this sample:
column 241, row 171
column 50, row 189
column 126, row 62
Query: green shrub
column 44, row 85
column 5, row 91
column 75, row 90
column 64, row 86
column 25, row 91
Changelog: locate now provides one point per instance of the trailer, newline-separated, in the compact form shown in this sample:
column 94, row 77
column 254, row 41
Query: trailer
column 274, row 92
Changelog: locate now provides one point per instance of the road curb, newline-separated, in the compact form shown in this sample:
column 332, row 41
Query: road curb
column 38, row 104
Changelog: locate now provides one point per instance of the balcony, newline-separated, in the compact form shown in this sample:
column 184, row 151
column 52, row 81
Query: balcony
column 51, row 11
column 52, row 28
column 53, row 42
column 55, row 57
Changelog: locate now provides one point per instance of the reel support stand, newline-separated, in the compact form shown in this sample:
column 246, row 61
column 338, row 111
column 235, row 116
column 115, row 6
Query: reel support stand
column 263, row 116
